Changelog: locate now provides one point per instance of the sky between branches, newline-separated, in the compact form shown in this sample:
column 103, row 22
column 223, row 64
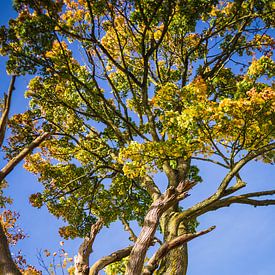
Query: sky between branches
column 243, row 242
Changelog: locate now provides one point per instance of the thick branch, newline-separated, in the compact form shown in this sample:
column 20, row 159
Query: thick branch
column 28, row 149
column 145, row 238
column 85, row 249
column 241, row 199
column 251, row 155
column 246, row 199
column 6, row 110
column 7, row 265
column 114, row 257
column 153, row 263
column 202, row 206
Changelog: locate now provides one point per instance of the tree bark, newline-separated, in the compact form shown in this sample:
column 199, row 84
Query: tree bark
column 85, row 249
column 176, row 261
column 7, row 266
column 112, row 258
column 151, row 221
column 169, row 246
column 27, row 150
column 6, row 110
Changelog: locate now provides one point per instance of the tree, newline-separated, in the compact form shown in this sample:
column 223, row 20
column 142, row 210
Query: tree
column 132, row 89
column 8, row 219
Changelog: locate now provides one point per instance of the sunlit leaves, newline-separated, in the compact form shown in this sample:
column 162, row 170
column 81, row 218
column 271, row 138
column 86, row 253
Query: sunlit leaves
column 263, row 66
column 153, row 82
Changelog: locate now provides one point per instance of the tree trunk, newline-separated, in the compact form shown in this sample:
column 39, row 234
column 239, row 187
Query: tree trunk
column 171, row 196
column 81, row 265
column 7, row 266
column 176, row 261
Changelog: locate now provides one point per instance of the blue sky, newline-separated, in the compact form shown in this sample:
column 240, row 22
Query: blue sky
column 242, row 244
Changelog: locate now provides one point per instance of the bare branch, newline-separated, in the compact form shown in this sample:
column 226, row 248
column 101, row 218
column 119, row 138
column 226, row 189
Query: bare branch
column 202, row 207
column 211, row 160
column 245, row 199
column 127, row 227
column 6, row 109
column 85, row 249
column 241, row 199
column 114, row 257
column 235, row 170
column 237, row 186
column 153, row 263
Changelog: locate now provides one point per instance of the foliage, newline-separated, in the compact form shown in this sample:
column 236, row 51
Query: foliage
column 117, row 267
column 133, row 89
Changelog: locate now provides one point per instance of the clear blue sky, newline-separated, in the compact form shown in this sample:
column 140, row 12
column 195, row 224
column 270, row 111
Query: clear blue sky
column 242, row 244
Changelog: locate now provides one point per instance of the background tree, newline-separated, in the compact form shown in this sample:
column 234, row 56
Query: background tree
column 8, row 232
column 132, row 89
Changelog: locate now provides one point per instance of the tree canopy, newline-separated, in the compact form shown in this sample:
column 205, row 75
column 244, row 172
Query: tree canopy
column 127, row 90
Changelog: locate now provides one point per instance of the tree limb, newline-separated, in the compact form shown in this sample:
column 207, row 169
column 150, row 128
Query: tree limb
column 145, row 238
column 202, row 207
column 6, row 109
column 13, row 162
column 127, row 227
column 85, row 249
column 153, row 263
column 114, row 257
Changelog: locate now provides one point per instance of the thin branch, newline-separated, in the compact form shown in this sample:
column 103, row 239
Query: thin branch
column 244, row 199
column 211, row 160
column 127, row 227
column 6, row 109
column 203, row 206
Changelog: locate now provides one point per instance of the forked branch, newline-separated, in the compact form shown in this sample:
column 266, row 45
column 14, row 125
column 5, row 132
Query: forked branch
column 145, row 238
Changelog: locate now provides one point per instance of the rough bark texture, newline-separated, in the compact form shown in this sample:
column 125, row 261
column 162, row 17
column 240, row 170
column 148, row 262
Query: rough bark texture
column 176, row 261
column 7, row 266
column 85, row 249
column 169, row 247
column 151, row 221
